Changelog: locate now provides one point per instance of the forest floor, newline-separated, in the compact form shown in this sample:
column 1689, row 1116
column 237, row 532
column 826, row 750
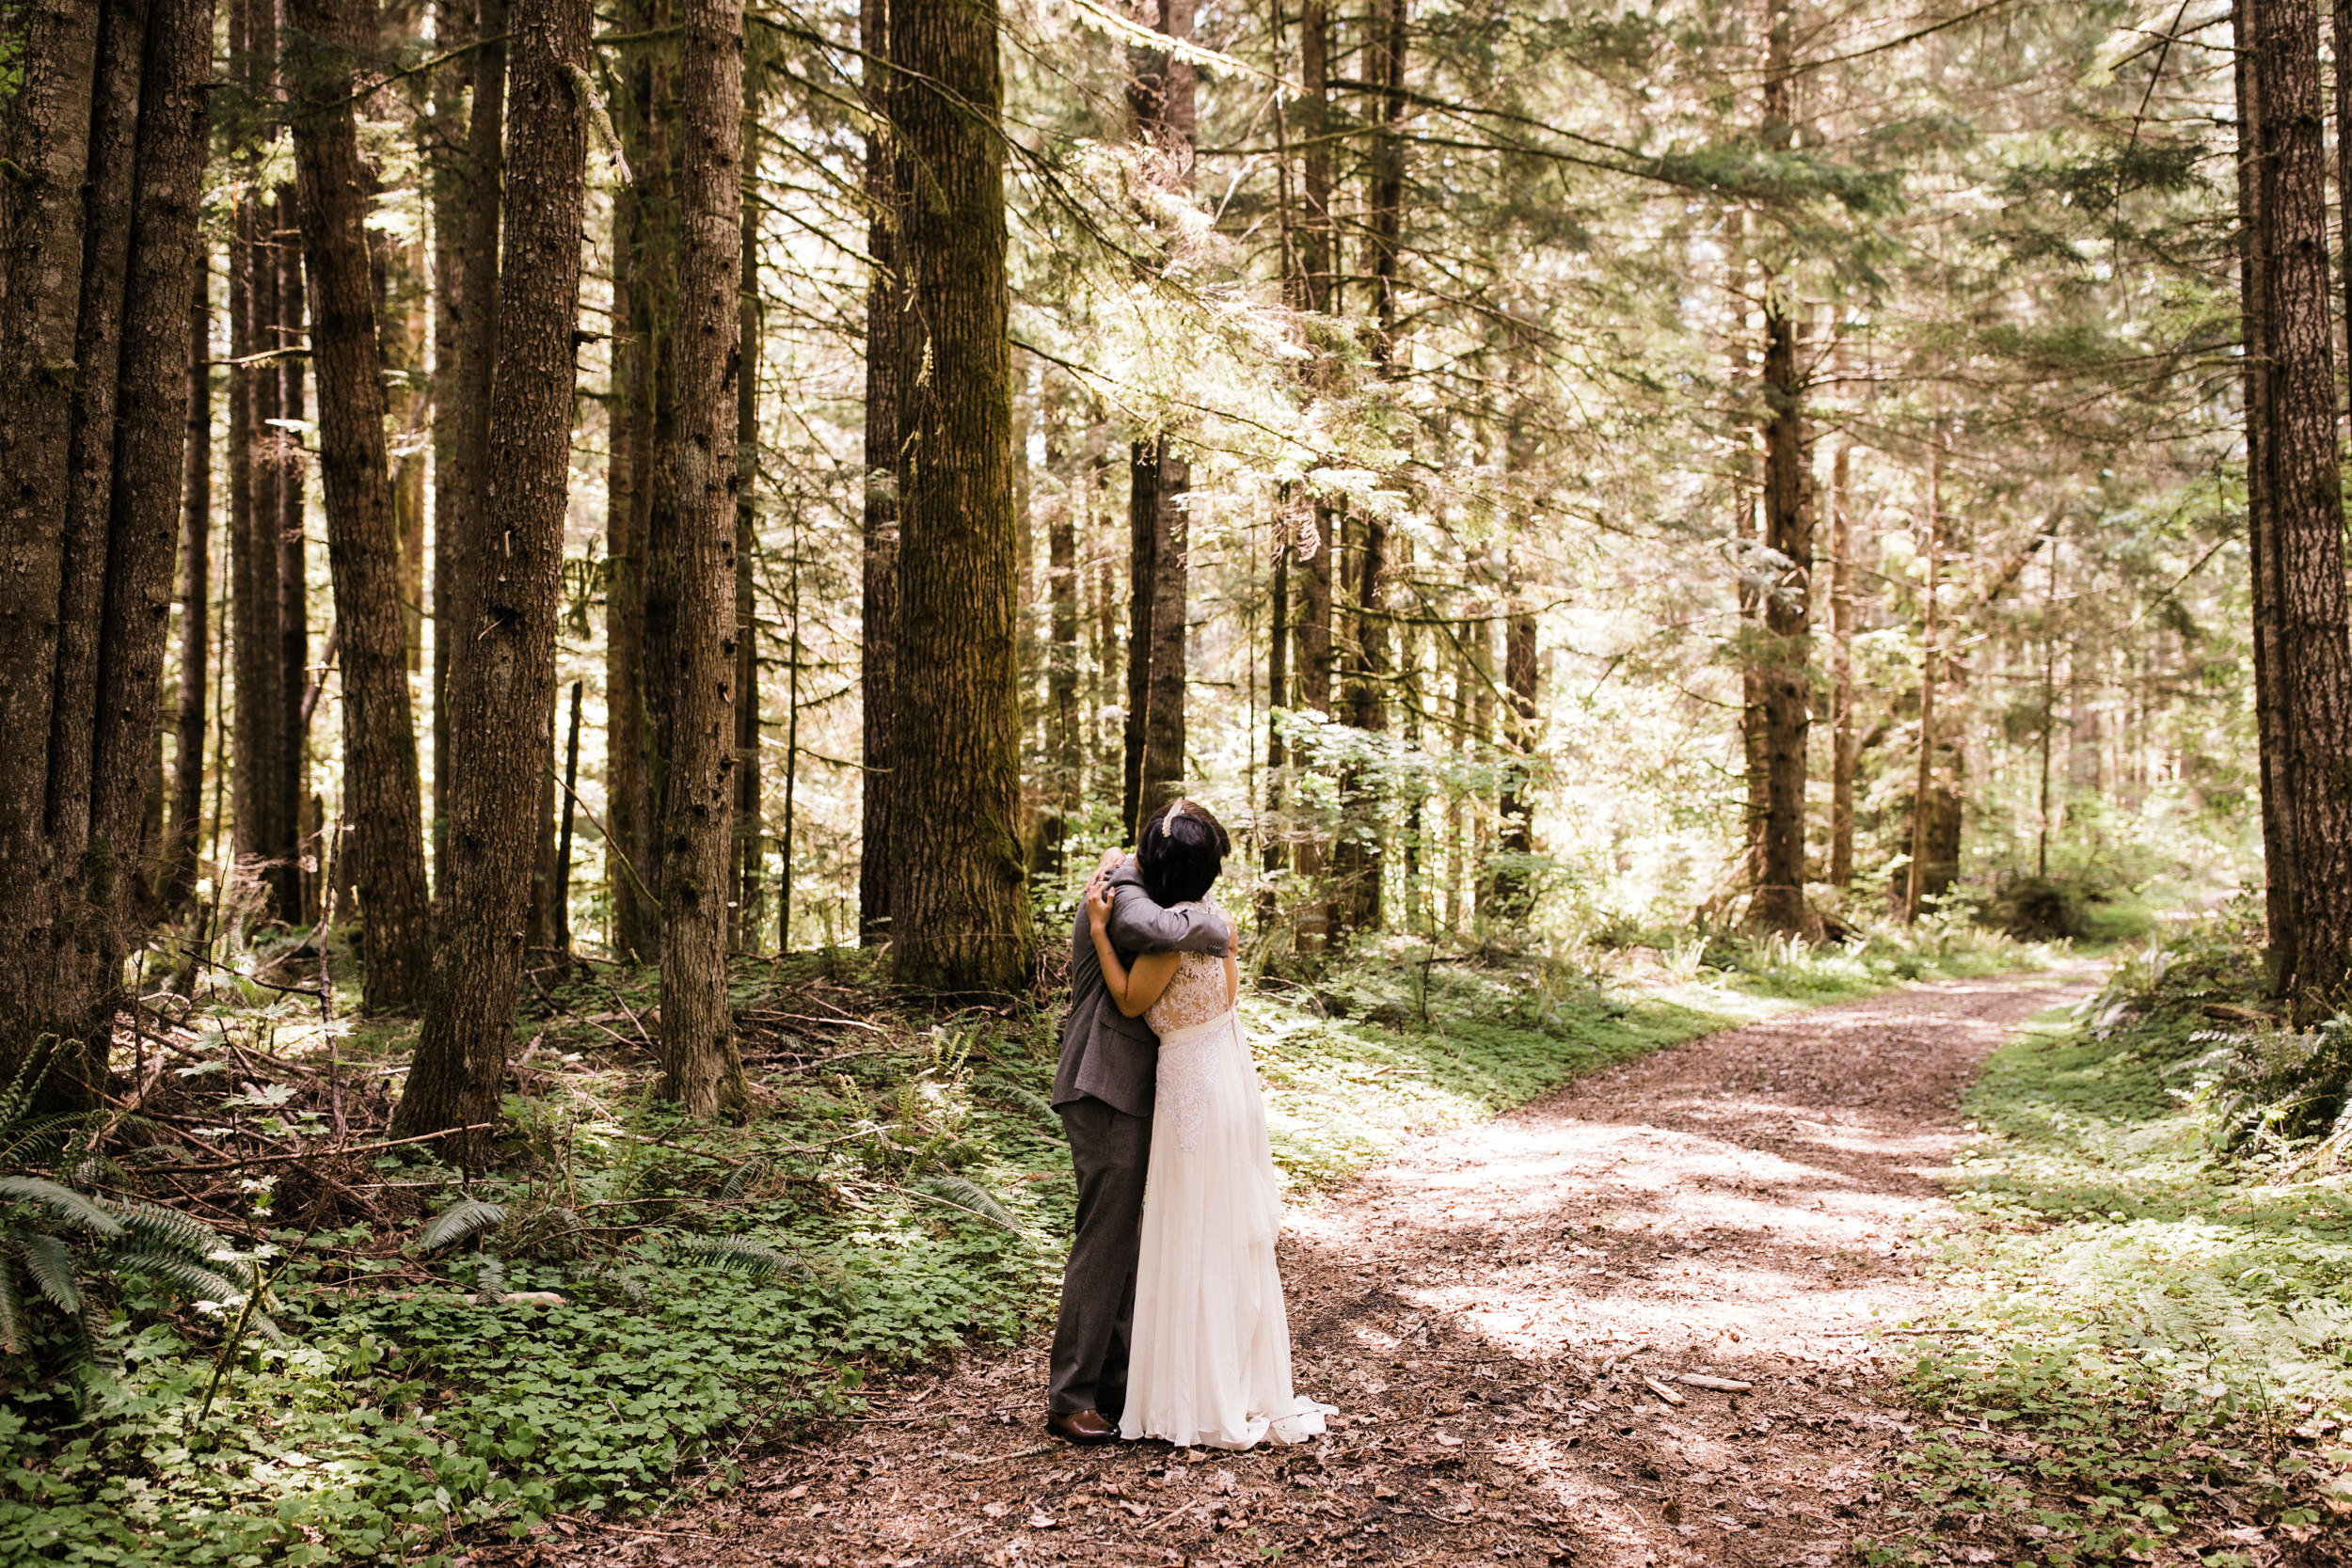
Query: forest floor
column 1506, row 1315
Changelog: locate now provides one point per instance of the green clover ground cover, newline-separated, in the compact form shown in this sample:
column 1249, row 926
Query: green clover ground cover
column 2154, row 1349
column 711, row 1286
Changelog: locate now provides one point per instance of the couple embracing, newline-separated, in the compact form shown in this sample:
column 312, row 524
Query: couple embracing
column 1171, row 1322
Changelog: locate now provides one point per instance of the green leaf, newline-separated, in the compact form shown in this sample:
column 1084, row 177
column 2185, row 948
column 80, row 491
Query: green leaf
column 62, row 1202
column 973, row 1200
column 757, row 1258
column 466, row 1217
column 52, row 1267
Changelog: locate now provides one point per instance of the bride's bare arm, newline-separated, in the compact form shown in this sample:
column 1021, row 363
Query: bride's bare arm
column 1132, row 988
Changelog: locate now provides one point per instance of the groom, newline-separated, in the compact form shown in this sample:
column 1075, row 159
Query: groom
column 1102, row 1091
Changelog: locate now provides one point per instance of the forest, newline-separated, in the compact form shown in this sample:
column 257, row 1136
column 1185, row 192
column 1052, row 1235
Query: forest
column 583, row 587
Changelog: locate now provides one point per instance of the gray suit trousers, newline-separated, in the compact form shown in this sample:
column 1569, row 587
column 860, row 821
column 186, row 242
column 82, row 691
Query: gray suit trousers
column 1109, row 1153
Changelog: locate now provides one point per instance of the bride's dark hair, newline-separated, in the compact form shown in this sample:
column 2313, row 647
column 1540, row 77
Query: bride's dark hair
column 1179, row 852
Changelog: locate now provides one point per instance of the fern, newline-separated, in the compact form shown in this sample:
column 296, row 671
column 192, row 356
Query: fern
column 11, row 1309
column 18, row 1097
column 51, row 1266
column 63, row 1203
column 490, row 1280
column 161, row 1226
column 467, row 1216
column 746, row 1175
column 44, row 1140
column 1033, row 1103
column 756, row 1259
column 972, row 1198
column 193, row 1278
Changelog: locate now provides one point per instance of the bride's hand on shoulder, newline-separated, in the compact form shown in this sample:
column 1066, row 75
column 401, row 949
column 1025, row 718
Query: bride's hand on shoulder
column 1097, row 904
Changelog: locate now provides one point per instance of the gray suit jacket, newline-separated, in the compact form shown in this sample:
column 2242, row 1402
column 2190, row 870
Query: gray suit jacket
column 1105, row 1055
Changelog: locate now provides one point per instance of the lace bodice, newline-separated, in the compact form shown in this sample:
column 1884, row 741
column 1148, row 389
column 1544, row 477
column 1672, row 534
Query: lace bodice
column 1194, row 997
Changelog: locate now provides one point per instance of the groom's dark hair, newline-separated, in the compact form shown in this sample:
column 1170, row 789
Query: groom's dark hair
column 1179, row 852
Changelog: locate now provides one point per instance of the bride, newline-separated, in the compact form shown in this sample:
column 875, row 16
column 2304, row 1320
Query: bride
column 1211, row 1357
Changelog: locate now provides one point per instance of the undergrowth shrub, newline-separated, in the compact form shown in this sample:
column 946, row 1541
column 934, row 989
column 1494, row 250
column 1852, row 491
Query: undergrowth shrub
column 2152, row 1345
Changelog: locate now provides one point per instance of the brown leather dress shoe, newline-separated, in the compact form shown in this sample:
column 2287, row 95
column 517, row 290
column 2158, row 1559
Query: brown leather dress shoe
column 1085, row 1427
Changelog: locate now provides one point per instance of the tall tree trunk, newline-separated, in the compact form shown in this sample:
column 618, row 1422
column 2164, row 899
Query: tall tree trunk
column 1916, row 885
column 2308, row 502
column 1318, row 247
column 1782, row 664
column 1841, row 667
column 1359, row 858
column 750, row 843
column 2273, row 743
column 89, row 467
column 380, row 792
column 1778, row 904
column 628, row 413
column 1312, row 655
column 298, row 887
column 885, row 356
column 102, row 130
column 150, row 441
column 960, row 909
column 504, row 679
column 1065, row 743
column 666, row 548
column 1515, row 809
column 1161, row 98
column 467, row 390
column 701, row 1068
column 1278, row 701
column 450, row 191
column 45, row 138
column 195, row 602
column 265, row 814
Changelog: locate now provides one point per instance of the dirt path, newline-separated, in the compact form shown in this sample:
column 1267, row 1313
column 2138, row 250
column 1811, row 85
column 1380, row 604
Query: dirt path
column 1488, row 1310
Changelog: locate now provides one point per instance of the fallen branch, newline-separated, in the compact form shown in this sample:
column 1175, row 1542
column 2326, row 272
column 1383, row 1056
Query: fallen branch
column 319, row 1153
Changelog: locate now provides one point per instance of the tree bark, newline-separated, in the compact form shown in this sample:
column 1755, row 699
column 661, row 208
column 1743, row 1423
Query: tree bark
column 1786, row 657
column 628, row 413
column 151, row 443
column 1277, row 702
column 101, row 130
column 1318, row 247
column 1161, row 97
column 89, row 468
column 750, row 845
column 2308, row 502
column 666, row 549
column 960, row 909
column 297, row 888
column 1841, row 668
column 1515, row 808
column 186, row 847
column 1065, row 744
column 265, row 814
column 885, row 329
column 2273, row 743
column 503, row 679
column 467, row 391
column 1917, row 884
column 701, row 1068
column 449, row 184
column 380, row 791
column 1360, row 857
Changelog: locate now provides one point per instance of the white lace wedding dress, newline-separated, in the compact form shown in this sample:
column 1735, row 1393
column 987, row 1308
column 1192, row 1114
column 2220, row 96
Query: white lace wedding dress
column 1210, row 1363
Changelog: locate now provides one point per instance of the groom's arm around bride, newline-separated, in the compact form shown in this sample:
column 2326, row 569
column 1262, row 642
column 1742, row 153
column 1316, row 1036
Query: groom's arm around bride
column 1102, row 1091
